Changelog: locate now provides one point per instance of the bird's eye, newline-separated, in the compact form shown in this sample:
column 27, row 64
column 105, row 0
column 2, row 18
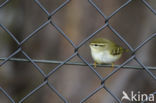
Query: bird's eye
column 95, row 45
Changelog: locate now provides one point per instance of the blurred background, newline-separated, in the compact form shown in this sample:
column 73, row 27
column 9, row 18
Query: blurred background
column 78, row 19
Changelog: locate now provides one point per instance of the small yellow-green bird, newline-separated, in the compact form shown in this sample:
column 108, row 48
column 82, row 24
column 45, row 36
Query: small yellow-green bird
column 105, row 51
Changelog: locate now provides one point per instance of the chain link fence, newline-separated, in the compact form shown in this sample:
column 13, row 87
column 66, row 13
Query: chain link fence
column 76, row 53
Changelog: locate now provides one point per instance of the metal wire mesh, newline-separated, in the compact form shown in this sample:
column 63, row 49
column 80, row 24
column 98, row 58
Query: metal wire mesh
column 76, row 48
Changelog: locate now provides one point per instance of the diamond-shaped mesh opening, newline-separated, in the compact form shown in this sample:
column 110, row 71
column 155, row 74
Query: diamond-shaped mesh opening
column 75, row 29
column 54, row 44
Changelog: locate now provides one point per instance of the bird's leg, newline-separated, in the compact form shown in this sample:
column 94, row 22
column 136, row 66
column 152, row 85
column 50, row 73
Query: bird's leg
column 94, row 64
column 113, row 65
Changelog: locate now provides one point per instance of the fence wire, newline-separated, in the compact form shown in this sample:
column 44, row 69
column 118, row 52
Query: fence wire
column 76, row 48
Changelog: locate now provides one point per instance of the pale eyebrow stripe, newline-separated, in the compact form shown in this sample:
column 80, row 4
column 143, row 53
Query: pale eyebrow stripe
column 100, row 44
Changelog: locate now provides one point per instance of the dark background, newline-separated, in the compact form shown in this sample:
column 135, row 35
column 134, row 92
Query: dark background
column 78, row 19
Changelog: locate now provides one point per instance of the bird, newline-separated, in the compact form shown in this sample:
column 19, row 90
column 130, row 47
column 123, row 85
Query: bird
column 105, row 51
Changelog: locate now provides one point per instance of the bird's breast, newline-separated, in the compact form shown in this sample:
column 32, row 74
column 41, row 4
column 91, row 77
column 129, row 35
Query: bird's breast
column 104, row 57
